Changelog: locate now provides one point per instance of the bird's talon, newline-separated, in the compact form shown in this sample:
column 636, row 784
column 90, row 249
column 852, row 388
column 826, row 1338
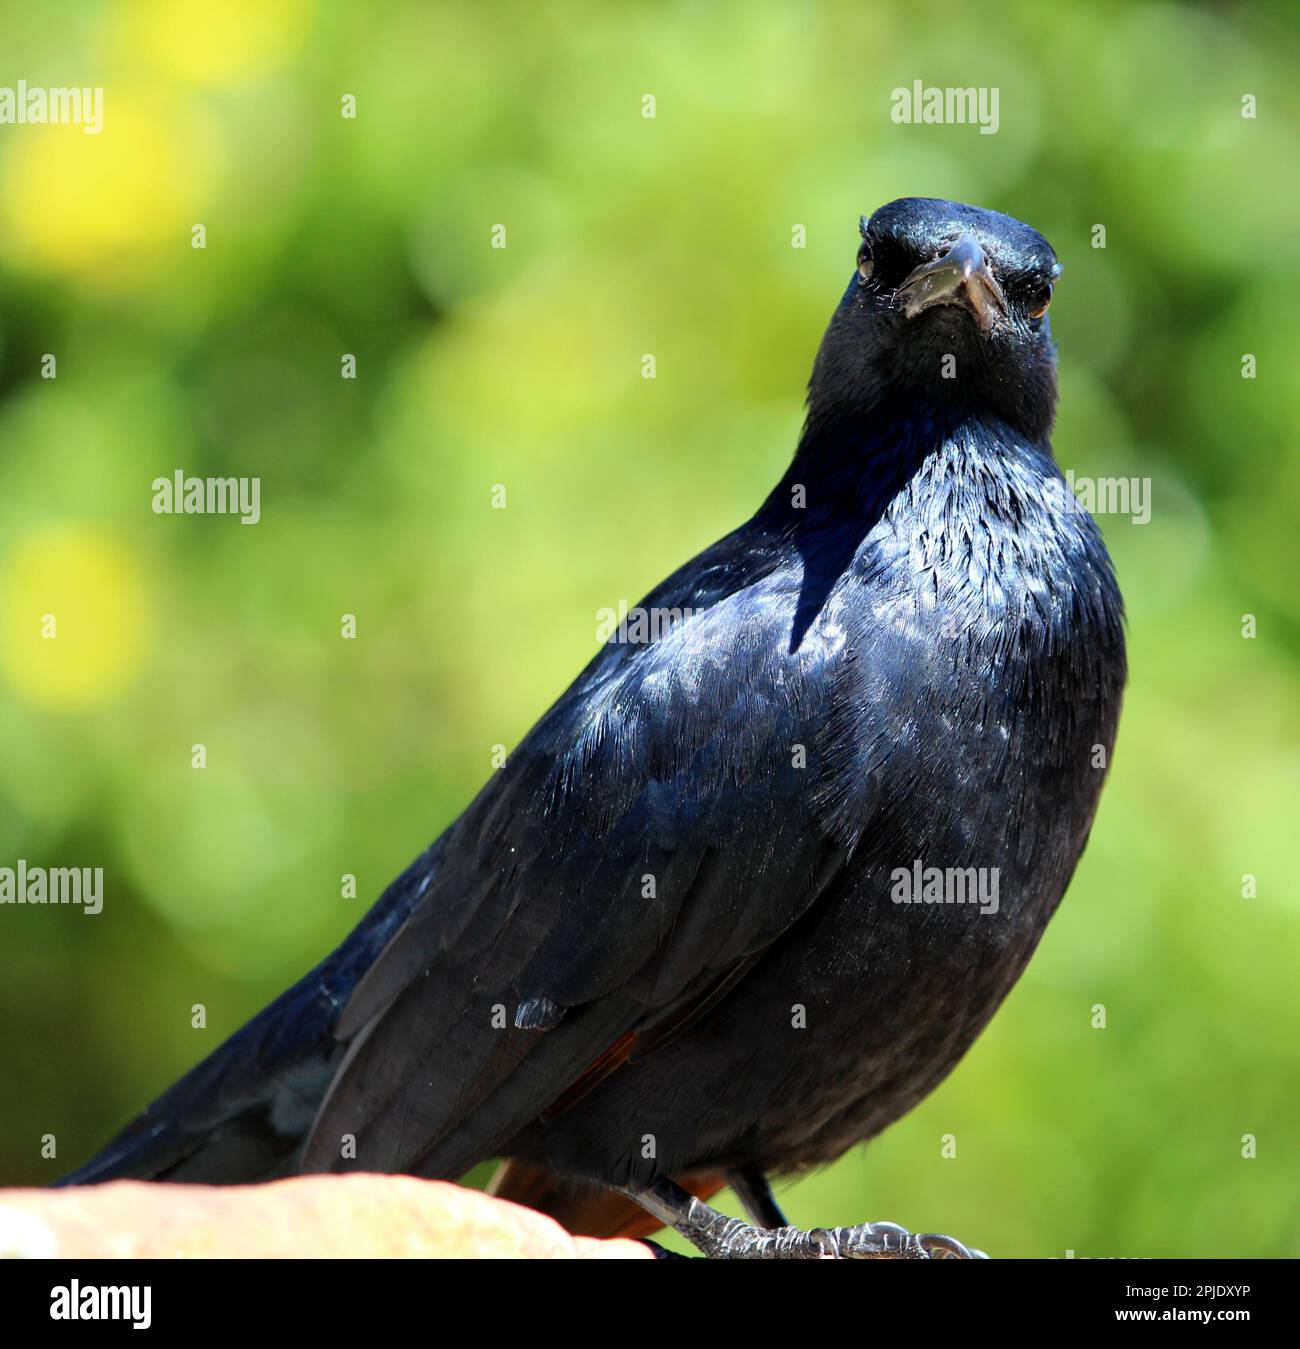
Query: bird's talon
column 939, row 1247
column 889, row 1241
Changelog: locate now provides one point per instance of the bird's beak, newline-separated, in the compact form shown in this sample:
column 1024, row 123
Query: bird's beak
column 960, row 276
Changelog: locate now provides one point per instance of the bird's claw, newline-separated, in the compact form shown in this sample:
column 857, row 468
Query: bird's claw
column 889, row 1241
column 732, row 1239
column 939, row 1247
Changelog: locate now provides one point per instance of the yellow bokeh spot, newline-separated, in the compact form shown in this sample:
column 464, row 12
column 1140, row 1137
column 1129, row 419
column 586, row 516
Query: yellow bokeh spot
column 215, row 45
column 73, row 617
column 104, row 205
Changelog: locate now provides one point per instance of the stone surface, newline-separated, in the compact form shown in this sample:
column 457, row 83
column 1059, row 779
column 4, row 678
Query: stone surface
column 362, row 1216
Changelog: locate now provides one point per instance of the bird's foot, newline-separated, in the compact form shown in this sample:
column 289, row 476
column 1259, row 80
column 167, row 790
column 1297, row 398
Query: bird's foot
column 724, row 1238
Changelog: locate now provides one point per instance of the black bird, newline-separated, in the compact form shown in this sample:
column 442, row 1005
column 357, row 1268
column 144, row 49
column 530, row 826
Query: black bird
column 665, row 947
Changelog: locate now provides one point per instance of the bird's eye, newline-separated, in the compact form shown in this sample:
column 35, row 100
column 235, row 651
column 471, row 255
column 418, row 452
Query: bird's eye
column 864, row 264
column 1040, row 302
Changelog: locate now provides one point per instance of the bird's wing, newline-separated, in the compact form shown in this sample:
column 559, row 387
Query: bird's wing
column 679, row 807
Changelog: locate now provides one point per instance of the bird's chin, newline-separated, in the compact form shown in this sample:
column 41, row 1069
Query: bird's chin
column 972, row 299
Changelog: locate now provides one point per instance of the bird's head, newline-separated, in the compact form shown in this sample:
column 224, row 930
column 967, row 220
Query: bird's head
column 948, row 304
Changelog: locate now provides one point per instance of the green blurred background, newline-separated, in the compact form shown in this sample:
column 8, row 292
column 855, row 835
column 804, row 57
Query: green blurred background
column 522, row 366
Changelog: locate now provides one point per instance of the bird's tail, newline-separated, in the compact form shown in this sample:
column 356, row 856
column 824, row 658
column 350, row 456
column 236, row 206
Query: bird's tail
column 243, row 1113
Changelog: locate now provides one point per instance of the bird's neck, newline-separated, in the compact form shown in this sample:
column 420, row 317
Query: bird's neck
column 972, row 511
column 848, row 469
